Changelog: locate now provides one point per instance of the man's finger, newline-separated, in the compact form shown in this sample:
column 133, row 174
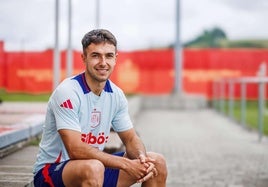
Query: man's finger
column 146, row 177
column 155, row 172
column 150, row 168
column 142, row 158
column 149, row 159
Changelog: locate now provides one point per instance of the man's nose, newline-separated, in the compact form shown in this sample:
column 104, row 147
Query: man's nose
column 103, row 59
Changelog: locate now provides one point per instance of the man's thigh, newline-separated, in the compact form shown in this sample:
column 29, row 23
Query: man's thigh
column 109, row 175
column 82, row 172
column 50, row 175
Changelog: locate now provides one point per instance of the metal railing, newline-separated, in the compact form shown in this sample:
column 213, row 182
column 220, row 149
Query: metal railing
column 221, row 99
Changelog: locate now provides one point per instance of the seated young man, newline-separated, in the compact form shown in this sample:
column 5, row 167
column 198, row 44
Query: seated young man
column 80, row 114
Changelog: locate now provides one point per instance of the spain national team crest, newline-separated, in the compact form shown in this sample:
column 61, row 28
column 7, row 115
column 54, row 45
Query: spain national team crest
column 95, row 118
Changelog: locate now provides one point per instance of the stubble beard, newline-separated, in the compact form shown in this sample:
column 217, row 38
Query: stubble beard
column 98, row 79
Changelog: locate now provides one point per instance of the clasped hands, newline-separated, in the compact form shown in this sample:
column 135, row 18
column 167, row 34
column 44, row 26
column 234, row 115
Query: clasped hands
column 151, row 170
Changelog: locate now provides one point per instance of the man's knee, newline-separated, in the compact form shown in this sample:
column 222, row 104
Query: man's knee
column 84, row 173
column 93, row 171
column 160, row 164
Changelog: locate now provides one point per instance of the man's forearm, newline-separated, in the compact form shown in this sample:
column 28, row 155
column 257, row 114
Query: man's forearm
column 135, row 148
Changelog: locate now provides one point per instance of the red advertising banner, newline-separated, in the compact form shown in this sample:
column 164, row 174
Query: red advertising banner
column 147, row 72
column 2, row 66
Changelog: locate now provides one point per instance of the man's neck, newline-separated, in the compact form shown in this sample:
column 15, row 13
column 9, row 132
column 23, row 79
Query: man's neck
column 97, row 89
column 95, row 86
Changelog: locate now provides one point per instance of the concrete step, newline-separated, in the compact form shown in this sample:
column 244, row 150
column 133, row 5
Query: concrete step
column 16, row 168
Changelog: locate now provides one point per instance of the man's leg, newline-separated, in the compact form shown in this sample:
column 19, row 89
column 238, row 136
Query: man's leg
column 83, row 173
column 161, row 167
column 156, row 181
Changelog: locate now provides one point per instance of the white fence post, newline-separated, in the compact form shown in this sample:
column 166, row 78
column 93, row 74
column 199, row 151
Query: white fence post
column 261, row 99
column 231, row 99
column 222, row 96
column 243, row 102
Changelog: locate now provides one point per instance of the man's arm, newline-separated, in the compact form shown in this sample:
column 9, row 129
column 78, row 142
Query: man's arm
column 134, row 145
column 80, row 150
column 136, row 150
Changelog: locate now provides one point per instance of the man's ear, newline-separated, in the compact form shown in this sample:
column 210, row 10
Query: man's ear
column 116, row 55
column 83, row 57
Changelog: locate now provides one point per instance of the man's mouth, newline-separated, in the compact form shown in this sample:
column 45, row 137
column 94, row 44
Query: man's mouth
column 102, row 70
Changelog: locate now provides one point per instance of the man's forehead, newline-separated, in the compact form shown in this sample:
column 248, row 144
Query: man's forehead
column 101, row 48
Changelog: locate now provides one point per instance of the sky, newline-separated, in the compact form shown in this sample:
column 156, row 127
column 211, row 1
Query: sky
column 137, row 24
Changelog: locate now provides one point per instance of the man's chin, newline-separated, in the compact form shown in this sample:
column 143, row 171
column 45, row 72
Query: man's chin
column 103, row 78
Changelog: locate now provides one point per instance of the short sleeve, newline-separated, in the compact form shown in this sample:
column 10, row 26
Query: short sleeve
column 65, row 105
column 121, row 121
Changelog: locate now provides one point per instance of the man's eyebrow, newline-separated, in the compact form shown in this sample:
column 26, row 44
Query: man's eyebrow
column 94, row 52
column 97, row 53
column 103, row 53
column 110, row 53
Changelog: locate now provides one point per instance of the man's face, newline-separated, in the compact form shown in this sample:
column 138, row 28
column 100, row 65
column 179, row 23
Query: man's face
column 100, row 61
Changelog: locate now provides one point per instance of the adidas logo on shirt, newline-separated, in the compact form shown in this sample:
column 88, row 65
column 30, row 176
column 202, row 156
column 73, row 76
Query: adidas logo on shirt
column 67, row 104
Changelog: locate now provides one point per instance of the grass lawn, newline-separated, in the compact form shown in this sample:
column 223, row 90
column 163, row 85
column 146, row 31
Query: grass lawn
column 251, row 114
column 5, row 96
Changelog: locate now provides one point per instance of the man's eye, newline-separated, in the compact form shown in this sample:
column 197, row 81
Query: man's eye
column 110, row 56
column 95, row 56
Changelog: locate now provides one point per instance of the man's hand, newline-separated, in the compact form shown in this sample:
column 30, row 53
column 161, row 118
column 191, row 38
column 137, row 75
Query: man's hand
column 144, row 159
column 151, row 170
column 136, row 169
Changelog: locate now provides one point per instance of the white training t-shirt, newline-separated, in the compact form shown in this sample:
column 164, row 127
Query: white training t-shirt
column 73, row 106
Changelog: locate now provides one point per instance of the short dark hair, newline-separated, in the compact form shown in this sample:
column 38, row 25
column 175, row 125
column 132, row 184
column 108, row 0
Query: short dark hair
column 98, row 36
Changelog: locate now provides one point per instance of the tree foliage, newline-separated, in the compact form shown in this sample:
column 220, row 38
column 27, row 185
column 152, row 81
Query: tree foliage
column 217, row 38
column 209, row 38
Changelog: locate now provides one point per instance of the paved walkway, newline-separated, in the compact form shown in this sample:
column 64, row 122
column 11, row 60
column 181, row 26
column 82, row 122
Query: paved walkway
column 205, row 149
column 202, row 148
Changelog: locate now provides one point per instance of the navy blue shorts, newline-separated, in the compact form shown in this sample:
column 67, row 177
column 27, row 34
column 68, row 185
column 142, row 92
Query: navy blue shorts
column 51, row 175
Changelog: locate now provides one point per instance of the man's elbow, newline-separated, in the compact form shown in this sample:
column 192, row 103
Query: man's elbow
column 75, row 153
